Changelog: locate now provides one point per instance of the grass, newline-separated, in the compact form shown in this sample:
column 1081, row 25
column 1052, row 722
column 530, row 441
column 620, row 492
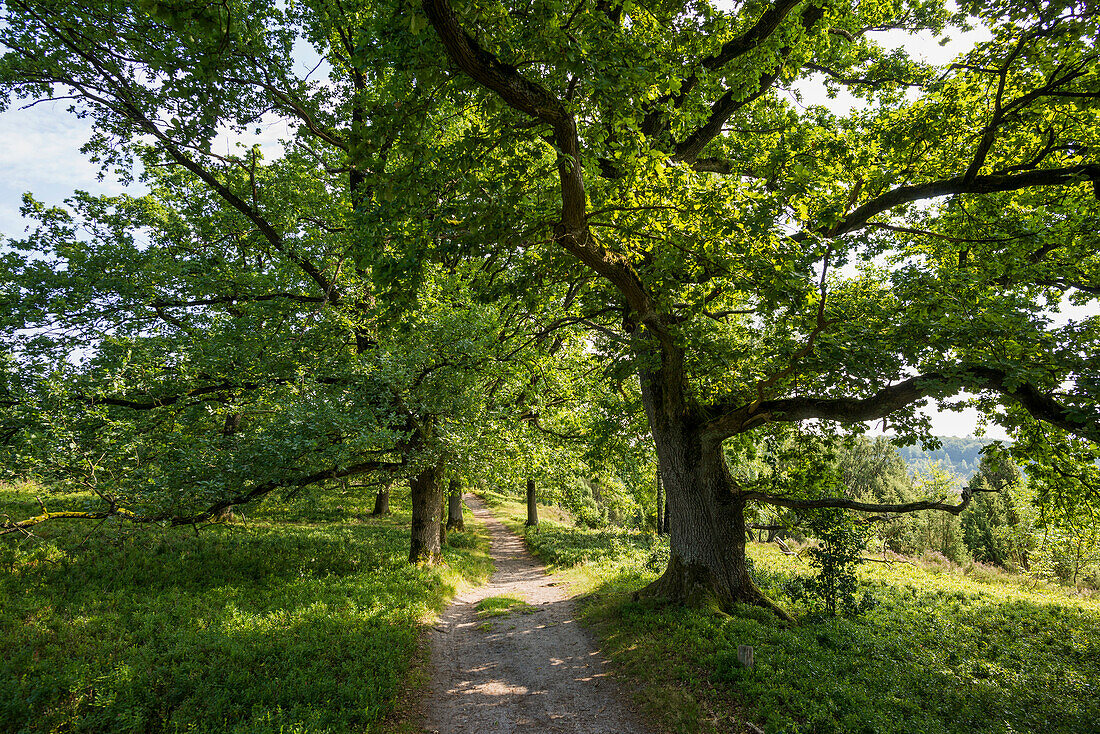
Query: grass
column 941, row 652
column 503, row 606
column 303, row 618
column 494, row 608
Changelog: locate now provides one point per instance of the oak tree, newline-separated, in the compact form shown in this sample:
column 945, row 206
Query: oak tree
column 779, row 263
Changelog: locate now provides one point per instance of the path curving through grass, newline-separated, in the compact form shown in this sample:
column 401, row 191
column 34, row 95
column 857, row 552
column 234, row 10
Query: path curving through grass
column 510, row 656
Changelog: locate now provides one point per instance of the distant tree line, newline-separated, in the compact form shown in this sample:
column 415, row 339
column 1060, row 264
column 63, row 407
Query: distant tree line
column 962, row 456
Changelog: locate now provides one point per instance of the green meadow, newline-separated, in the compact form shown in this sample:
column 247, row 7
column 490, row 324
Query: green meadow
column 300, row 616
column 944, row 649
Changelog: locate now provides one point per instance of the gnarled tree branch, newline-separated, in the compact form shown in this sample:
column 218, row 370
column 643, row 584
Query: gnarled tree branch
column 1040, row 405
column 848, row 504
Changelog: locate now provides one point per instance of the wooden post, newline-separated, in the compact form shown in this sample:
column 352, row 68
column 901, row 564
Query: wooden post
column 744, row 655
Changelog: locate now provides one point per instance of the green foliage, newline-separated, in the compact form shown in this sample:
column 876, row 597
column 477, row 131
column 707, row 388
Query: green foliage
column 874, row 471
column 304, row 616
column 995, row 526
column 834, row 587
column 579, row 501
column 961, row 456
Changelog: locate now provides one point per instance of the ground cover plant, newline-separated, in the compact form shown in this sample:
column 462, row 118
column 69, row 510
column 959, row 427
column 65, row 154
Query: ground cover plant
column 939, row 651
column 301, row 616
column 502, row 606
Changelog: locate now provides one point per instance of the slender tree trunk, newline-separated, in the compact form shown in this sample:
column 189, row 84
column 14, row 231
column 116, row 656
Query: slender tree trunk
column 532, row 505
column 232, row 424
column 427, row 506
column 660, row 504
column 230, row 427
column 454, row 506
column 382, row 501
column 708, row 565
column 442, row 520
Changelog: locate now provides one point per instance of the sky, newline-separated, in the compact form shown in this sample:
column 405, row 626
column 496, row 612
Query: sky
column 40, row 153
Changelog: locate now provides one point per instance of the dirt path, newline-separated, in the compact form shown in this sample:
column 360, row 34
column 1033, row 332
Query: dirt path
column 530, row 672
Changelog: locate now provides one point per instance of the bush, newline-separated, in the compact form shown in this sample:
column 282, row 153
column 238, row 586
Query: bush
column 659, row 555
column 834, row 588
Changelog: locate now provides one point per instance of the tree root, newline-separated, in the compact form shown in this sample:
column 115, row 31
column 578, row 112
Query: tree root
column 693, row 586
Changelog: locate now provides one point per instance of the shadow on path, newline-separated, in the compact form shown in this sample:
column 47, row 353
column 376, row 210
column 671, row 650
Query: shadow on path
column 533, row 670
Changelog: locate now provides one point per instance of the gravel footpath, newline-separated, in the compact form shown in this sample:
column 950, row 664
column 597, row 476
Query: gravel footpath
column 529, row 672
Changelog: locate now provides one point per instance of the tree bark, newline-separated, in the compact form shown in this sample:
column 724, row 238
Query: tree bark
column 382, row 502
column 660, row 504
column 532, row 505
column 454, row 507
column 232, row 424
column 706, row 518
column 427, row 506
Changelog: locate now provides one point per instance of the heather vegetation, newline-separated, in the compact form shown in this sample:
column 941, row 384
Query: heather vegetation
column 940, row 647
column 298, row 616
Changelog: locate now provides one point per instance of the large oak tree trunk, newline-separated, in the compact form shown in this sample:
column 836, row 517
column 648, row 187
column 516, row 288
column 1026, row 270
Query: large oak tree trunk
column 427, row 508
column 454, row 507
column 660, row 504
column 706, row 519
column 532, row 505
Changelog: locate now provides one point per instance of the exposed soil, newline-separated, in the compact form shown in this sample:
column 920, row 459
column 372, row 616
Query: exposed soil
column 532, row 670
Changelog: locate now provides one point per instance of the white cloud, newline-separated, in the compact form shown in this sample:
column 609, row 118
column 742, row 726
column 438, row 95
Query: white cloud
column 41, row 154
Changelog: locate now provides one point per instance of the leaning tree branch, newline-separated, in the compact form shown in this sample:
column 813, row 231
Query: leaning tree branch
column 851, row 81
column 732, row 420
column 235, row 298
column 721, row 112
column 941, row 236
column 173, row 398
column 260, row 490
column 997, row 183
column 844, row 503
column 723, row 109
column 722, row 166
column 572, row 233
column 655, row 121
column 531, row 418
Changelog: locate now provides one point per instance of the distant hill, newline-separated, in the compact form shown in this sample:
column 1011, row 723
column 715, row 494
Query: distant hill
column 958, row 455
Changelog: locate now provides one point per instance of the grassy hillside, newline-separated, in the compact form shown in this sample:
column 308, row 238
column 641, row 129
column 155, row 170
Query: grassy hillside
column 302, row 618
column 940, row 652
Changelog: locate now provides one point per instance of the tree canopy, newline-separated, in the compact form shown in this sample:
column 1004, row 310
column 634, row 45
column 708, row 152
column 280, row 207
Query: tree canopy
column 642, row 170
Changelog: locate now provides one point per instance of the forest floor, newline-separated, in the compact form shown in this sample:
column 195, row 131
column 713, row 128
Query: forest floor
column 510, row 656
